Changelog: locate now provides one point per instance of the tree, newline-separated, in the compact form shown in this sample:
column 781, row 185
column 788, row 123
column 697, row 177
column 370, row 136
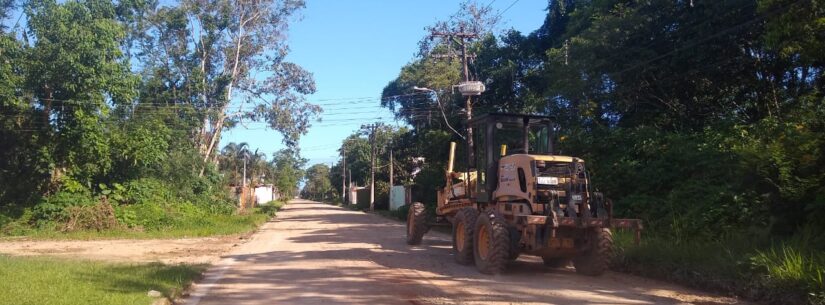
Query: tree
column 317, row 185
column 438, row 68
column 234, row 41
column 232, row 161
column 288, row 170
column 213, row 50
column 76, row 69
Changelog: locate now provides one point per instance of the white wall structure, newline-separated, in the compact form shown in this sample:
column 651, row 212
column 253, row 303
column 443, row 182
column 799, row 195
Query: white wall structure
column 265, row 193
column 398, row 197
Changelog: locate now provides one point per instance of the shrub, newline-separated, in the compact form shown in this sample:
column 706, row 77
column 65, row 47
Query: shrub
column 127, row 217
column 790, row 269
column 270, row 208
column 55, row 206
column 147, row 190
column 148, row 215
column 787, row 273
column 97, row 217
column 401, row 212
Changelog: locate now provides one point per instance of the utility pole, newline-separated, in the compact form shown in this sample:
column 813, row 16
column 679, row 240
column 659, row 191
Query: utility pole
column 330, row 192
column 462, row 38
column 391, row 182
column 243, row 183
column 343, row 176
column 372, row 169
column 372, row 128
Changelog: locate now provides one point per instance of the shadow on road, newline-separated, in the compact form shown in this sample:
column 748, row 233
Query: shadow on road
column 347, row 257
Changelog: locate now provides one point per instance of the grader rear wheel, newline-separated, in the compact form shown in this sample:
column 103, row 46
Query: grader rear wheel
column 416, row 223
column 463, row 225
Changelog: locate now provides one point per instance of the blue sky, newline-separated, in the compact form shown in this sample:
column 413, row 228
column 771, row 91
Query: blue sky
column 354, row 48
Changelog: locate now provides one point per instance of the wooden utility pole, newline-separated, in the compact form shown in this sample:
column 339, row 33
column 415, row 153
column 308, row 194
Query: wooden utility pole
column 343, row 176
column 391, row 182
column 372, row 169
column 372, row 128
column 462, row 38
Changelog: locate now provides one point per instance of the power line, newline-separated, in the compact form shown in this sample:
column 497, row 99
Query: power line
column 506, row 9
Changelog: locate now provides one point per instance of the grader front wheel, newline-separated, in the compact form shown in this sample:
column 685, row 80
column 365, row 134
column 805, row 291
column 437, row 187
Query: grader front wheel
column 595, row 260
column 492, row 243
column 416, row 223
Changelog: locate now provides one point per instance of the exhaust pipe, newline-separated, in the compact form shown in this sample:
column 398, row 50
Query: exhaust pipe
column 452, row 158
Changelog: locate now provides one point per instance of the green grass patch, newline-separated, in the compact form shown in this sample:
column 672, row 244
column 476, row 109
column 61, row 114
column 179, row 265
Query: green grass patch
column 48, row 281
column 777, row 272
column 187, row 226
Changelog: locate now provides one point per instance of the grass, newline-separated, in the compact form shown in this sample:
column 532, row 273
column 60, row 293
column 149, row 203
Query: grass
column 211, row 225
column 776, row 272
column 47, row 281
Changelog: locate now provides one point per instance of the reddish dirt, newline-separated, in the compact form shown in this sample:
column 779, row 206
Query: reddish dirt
column 170, row 251
column 320, row 254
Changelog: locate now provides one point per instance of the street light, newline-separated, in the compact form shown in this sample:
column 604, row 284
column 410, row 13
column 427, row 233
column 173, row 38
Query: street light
column 471, row 88
column 417, row 88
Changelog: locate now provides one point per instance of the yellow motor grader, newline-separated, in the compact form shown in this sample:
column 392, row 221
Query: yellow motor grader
column 518, row 197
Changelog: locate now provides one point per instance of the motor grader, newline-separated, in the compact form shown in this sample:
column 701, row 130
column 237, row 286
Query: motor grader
column 518, row 197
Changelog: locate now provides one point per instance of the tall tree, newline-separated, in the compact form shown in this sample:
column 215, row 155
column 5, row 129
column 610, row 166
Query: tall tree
column 317, row 183
column 231, row 54
column 288, row 171
column 77, row 69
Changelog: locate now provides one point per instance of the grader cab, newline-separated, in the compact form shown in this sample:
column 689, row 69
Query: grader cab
column 516, row 197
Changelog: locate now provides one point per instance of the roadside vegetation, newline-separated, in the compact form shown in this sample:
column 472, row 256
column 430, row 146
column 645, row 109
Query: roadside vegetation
column 48, row 281
column 176, row 224
column 777, row 271
column 111, row 117
column 706, row 119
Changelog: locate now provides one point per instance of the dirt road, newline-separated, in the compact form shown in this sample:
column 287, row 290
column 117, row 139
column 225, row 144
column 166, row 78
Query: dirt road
column 320, row 254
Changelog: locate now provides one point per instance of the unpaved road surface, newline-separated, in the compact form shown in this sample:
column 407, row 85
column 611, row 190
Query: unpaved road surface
column 206, row 250
column 320, row 254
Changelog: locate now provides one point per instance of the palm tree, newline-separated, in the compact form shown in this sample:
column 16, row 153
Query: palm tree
column 256, row 165
column 232, row 158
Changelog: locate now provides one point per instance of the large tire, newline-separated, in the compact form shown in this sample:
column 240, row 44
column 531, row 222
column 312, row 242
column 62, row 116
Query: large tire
column 595, row 260
column 463, row 225
column 416, row 223
column 556, row 262
column 515, row 248
column 491, row 248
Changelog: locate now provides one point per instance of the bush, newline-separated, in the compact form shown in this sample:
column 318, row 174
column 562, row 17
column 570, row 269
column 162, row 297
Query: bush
column 784, row 273
column 401, row 212
column 147, row 190
column 97, row 217
column 147, row 215
column 382, row 195
column 55, row 206
column 270, row 208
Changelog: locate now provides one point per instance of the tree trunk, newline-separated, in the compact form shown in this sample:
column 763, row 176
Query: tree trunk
column 216, row 135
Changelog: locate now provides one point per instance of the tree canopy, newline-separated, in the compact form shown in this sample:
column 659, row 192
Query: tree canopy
column 98, row 93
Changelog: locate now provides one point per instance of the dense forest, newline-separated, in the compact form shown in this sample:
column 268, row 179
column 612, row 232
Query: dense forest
column 111, row 112
column 706, row 119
